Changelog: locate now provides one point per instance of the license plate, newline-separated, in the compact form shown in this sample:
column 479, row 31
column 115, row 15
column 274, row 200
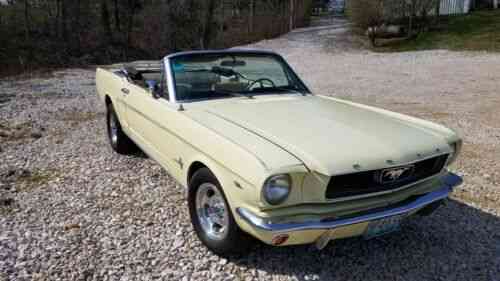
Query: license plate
column 383, row 226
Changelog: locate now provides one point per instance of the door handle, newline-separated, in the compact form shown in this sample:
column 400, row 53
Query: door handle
column 125, row 91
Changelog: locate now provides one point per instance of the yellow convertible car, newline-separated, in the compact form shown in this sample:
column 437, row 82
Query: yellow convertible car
column 263, row 157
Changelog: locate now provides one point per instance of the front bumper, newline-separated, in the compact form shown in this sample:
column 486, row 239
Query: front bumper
column 304, row 232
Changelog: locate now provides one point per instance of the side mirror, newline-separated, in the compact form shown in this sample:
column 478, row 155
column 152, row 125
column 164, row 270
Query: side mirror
column 153, row 88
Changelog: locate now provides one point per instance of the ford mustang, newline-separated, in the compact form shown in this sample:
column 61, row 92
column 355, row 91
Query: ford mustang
column 263, row 157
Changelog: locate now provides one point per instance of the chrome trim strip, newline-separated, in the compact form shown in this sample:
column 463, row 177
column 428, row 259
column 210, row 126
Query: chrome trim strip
column 169, row 72
column 449, row 182
column 224, row 51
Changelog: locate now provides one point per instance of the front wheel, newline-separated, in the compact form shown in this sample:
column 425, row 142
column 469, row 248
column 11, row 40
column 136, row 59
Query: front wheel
column 211, row 216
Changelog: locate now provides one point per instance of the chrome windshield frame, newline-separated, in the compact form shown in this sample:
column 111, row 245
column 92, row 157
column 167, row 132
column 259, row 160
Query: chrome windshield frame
column 171, row 81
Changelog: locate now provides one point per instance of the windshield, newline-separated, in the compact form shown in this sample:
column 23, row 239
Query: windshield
column 208, row 76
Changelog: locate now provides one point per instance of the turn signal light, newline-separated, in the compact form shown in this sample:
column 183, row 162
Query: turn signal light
column 279, row 239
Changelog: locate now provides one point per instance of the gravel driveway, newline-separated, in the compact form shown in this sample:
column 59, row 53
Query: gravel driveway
column 70, row 209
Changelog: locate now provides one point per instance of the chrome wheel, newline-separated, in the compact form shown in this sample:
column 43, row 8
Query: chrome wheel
column 113, row 128
column 212, row 211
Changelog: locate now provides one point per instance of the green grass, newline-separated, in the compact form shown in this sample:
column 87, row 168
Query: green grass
column 477, row 31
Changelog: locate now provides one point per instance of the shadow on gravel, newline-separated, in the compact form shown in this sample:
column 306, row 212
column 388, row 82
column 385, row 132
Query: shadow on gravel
column 140, row 154
column 457, row 242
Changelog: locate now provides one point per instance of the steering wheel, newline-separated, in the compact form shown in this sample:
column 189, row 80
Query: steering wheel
column 261, row 82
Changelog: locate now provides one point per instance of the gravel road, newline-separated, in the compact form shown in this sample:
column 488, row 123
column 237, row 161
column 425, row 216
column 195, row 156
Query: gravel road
column 70, row 209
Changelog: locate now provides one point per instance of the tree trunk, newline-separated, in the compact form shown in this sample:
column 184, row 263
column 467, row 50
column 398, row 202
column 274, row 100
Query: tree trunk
column 438, row 11
column 207, row 33
column 284, row 18
column 251, row 16
column 27, row 23
column 223, row 23
column 64, row 21
column 292, row 14
column 76, row 28
column 117, row 15
column 27, row 31
column 410, row 20
column 131, row 10
column 373, row 37
column 410, row 26
column 58, row 19
column 105, row 22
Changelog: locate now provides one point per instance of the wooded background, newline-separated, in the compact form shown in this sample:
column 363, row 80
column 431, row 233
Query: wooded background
column 45, row 33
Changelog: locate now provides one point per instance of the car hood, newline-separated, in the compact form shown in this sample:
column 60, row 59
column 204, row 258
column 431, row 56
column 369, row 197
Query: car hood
column 331, row 136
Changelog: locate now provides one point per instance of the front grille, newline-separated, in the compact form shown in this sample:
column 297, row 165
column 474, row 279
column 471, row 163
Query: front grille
column 369, row 181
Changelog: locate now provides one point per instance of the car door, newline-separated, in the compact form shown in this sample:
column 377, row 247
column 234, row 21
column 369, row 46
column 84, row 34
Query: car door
column 150, row 120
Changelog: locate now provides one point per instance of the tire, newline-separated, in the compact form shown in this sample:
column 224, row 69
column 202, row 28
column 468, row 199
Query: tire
column 227, row 240
column 118, row 140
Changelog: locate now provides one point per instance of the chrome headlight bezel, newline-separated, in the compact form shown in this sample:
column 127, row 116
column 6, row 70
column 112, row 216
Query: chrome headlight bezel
column 276, row 189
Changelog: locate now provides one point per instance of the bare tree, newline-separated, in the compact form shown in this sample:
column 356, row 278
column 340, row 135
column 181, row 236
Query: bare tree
column 251, row 15
column 208, row 29
column 117, row 15
column 64, row 20
column 376, row 15
column 412, row 12
column 105, row 21
column 368, row 15
column 100, row 31
column 27, row 21
column 132, row 5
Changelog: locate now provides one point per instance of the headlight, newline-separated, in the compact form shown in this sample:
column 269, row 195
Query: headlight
column 456, row 147
column 277, row 188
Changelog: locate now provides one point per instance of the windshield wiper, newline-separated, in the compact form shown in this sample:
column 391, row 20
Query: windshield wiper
column 233, row 94
column 286, row 89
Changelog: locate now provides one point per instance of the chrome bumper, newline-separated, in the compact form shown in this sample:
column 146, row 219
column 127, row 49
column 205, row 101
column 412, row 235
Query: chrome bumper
column 449, row 181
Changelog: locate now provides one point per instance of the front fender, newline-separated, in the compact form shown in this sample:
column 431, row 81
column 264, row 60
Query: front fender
column 238, row 191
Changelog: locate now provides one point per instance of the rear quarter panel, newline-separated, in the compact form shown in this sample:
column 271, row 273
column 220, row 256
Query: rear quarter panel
column 109, row 85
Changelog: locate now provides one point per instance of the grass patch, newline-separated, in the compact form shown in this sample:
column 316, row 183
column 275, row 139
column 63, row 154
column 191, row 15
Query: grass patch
column 482, row 200
column 37, row 177
column 78, row 117
column 26, row 181
column 477, row 31
column 21, row 180
column 6, row 210
column 16, row 133
column 74, row 119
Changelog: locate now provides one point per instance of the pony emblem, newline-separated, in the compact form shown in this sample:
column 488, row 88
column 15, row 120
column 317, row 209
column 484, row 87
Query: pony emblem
column 391, row 175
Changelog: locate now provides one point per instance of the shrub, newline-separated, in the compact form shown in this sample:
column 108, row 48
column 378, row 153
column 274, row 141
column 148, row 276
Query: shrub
column 374, row 16
column 367, row 15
